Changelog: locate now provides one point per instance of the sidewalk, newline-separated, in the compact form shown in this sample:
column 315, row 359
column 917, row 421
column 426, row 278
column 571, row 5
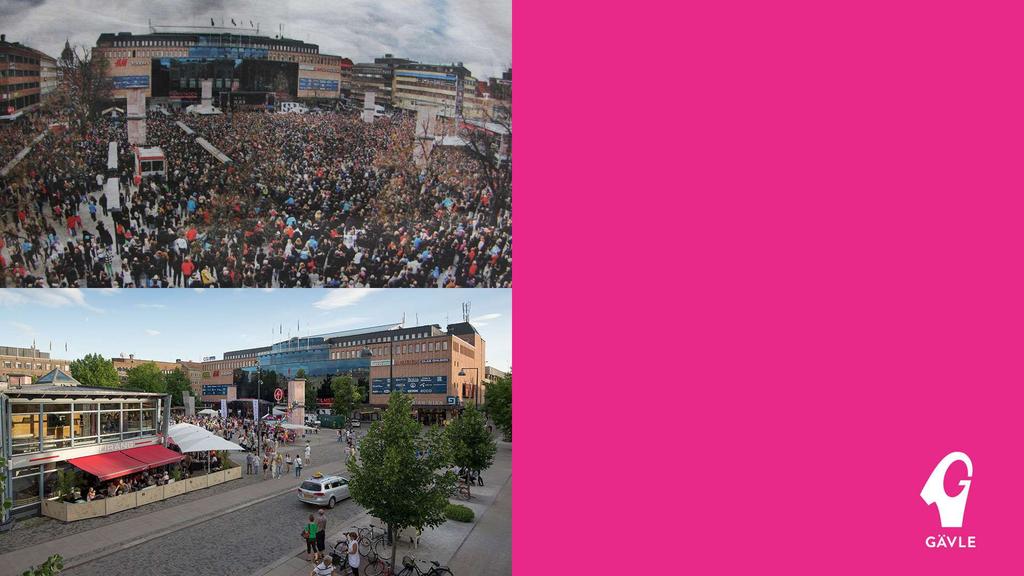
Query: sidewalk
column 453, row 542
column 85, row 546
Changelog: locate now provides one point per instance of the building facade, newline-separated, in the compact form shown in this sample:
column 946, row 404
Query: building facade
column 245, row 68
column 29, row 362
column 123, row 365
column 376, row 77
column 20, row 77
column 44, row 426
column 451, row 89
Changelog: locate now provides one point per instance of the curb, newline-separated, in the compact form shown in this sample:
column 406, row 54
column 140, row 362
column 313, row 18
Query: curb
column 86, row 558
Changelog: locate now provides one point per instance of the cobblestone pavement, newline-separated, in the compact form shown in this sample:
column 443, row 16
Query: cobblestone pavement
column 238, row 543
column 31, row 531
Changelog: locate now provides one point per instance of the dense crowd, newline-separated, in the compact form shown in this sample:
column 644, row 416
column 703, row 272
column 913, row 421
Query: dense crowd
column 308, row 200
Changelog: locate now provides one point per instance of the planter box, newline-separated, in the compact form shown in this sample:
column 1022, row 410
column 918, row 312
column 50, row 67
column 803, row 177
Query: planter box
column 233, row 474
column 196, row 483
column 86, row 510
column 123, row 502
column 151, row 494
column 55, row 509
column 175, row 488
column 214, row 478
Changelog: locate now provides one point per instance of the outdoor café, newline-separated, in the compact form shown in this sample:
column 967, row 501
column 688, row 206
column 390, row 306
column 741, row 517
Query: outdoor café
column 77, row 452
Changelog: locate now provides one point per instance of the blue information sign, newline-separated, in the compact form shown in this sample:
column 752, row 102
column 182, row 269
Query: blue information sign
column 412, row 385
column 131, row 82
column 215, row 390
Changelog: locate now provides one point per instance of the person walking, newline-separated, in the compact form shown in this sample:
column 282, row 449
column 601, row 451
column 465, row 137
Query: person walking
column 298, row 466
column 310, row 535
column 265, row 466
column 321, row 531
column 288, row 464
column 308, row 459
column 278, row 462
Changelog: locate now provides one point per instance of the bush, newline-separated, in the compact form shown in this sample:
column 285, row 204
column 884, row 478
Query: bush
column 459, row 513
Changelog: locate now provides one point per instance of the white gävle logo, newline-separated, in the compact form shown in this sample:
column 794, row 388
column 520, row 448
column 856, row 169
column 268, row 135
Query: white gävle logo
column 951, row 508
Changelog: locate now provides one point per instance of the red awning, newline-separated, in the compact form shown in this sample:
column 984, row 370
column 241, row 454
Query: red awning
column 109, row 465
column 154, row 455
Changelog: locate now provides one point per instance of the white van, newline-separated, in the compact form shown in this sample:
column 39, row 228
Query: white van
column 292, row 108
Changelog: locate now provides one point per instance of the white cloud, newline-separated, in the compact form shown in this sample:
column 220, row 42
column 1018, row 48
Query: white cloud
column 48, row 297
column 150, row 306
column 343, row 297
column 484, row 320
column 152, row 332
column 25, row 329
column 109, row 291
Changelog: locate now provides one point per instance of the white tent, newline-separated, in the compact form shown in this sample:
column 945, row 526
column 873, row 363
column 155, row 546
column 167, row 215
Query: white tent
column 209, row 412
column 192, row 438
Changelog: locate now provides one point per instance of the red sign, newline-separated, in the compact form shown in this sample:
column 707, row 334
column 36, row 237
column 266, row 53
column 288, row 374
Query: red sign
column 278, row 394
column 121, row 62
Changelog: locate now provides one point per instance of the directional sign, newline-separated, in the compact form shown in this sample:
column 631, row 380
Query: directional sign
column 278, row 394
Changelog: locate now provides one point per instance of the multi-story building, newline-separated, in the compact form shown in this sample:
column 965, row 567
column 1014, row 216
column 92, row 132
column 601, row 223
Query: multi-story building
column 58, row 424
column 20, row 77
column 194, row 372
column 47, row 76
column 15, row 362
column 123, row 365
column 376, row 77
column 450, row 88
column 217, row 376
column 245, row 68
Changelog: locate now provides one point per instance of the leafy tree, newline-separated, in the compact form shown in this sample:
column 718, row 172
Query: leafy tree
column 499, row 404
column 312, row 391
column 402, row 476
column 146, row 378
column 472, row 448
column 176, row 383
column 95, row 370
column 346, row 396
column 300, row 374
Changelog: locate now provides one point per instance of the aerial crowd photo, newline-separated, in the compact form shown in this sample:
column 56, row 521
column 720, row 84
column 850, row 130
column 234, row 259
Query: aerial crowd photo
column 345, row 170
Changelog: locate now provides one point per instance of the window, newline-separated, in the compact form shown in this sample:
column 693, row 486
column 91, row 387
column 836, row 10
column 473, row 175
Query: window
column 24, row 428
column 25, row 486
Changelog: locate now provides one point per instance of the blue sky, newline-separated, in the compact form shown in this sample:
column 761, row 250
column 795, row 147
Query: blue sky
column 190, row 324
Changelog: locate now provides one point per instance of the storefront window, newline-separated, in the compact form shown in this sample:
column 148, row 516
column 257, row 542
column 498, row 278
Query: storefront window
column 149, row 419
column 85, row 425
column 131, row 423
column 24, row 432
column 110, row 425
column 25, row 486
column 57, row 430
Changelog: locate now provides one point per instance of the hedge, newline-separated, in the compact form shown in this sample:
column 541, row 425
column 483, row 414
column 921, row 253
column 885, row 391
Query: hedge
column 459, row 513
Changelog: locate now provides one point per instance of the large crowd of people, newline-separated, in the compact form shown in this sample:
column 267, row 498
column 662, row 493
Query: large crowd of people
column 307, row 200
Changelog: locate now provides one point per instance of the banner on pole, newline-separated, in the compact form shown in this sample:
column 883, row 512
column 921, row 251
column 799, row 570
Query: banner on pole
column 224, row 409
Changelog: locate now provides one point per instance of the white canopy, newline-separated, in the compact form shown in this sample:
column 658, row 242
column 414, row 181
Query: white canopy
column 192, row 438
column 290, row 426
column 209, row 412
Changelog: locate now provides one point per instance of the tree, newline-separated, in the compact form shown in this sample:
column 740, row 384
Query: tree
column 346, row 396
column 85, row 84
column 472, row 447
column 94, row 370
column 51, row 567
column 499, row 404
column 402, row 476
column 312, row 391
column 146, row 378
column 176, row 383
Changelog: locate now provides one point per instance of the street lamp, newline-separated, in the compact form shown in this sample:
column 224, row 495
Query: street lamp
column 476, row 386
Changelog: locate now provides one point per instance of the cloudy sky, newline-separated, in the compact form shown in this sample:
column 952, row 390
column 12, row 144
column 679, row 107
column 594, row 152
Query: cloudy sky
column 475, row 32
column 191, row 324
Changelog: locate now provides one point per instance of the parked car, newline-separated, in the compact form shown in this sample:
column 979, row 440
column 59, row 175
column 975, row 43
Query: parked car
column 323, row 490
column 355, row 423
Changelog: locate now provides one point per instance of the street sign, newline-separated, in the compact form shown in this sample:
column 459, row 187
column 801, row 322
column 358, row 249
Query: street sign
column 278, row 394
column 453, row 400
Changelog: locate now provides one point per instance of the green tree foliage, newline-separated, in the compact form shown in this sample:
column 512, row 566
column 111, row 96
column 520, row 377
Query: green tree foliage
column 95, row 370
column 346, row 396
column 53, row 565
column 146, row 378
column 176, row 383
column 499, row 404
column 472, row 448
column 402, row 476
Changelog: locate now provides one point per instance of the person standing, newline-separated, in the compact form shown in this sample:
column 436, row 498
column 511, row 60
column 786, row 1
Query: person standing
column 308, row 459
column 298, row 466
column 288, row 464
column 265, row 467
column 353, row 553
column 321, row 531
column 310, row 534
column 278, row 462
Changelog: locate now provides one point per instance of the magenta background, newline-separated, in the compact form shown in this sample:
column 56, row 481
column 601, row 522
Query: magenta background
column 786, row 292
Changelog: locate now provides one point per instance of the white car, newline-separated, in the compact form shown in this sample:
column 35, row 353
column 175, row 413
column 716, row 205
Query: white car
column 355, row 423
column 323, row 490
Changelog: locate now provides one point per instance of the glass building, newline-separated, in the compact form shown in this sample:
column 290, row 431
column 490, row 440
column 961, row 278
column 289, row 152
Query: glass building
column 46, row 424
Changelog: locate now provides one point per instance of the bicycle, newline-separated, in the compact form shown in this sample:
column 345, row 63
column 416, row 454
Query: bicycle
column 378, row 566
column 462, row 491
column 412, row 568
column 370, row 541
